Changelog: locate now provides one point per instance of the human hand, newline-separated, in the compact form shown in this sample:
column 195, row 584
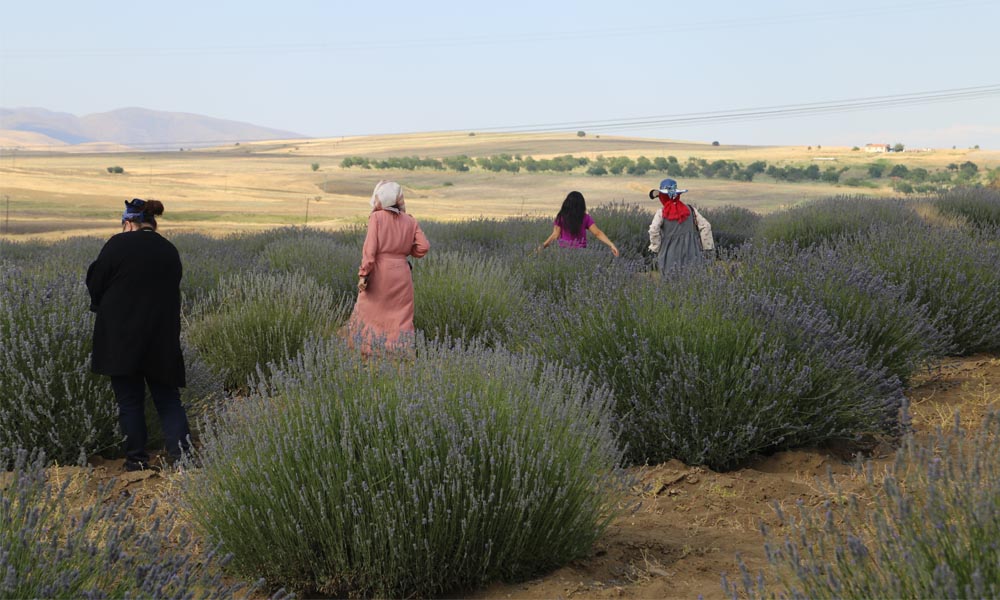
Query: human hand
column 614, row 250
column 362, row 284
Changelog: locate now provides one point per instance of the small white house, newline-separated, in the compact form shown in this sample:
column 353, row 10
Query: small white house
column 877, row 148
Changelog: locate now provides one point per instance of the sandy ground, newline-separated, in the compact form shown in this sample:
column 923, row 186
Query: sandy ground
column 690, row 522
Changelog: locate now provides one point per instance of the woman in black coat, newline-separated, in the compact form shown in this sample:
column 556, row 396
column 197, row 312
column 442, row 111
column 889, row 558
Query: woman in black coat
column 134, row 288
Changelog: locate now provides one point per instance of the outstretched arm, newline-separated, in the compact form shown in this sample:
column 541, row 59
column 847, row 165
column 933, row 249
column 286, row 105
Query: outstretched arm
column 556, row 230
column 594, row 229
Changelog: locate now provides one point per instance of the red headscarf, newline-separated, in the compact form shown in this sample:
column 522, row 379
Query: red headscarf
column 673, row 208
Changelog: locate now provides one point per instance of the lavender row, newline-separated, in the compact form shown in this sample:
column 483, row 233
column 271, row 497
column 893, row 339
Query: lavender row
column 456, row 467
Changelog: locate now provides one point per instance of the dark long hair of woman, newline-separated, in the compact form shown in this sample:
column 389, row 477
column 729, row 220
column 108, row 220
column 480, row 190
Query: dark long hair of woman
column 571, row 214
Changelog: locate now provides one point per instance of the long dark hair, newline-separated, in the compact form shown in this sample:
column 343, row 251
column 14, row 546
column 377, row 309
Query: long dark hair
column 570, row 216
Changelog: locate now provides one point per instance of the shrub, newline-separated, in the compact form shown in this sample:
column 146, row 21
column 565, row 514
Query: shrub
column 953, row 272
column 875, row 313
column 732, row 226
column 930, row 530
column 487, row 235
column 558, row 271
column 258, row 318
column 627, row 225
column 831, row 218
column 709, row 373
column 206, row 260
column 463, row 295
column 331, row 263
column 977, row 205
column 49, row 399
column 448, row 470
column 52, row 548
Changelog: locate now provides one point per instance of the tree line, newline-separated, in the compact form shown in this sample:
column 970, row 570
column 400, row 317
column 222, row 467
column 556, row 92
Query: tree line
column 903, row 178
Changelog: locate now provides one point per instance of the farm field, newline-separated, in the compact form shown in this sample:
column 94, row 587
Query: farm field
column 692, row 521
column 263, row 185
column 569, row 424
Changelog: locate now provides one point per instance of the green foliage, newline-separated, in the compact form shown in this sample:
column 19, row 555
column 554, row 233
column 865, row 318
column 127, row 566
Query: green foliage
column 314, row 166
column 706, row 372
column 980, row 207
column 463, row 295
column 732, row 226
column 952, row 272
column 330, row 263
column 115, row 170
column 255, row 319
column 454, row 468
column 49, row 399
column 830, row 218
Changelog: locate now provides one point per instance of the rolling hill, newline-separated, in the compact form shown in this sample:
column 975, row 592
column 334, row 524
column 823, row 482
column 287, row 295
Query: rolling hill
column 138, row 128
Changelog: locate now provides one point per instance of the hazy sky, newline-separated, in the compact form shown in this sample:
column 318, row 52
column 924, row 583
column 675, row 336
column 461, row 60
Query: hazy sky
column 356, row 67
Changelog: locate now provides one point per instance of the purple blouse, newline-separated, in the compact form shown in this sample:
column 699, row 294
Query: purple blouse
column 567, row 239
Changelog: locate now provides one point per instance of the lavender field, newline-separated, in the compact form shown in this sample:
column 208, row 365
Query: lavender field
column 543, row 389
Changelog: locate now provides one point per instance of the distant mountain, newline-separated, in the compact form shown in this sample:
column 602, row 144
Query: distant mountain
column 137, row 127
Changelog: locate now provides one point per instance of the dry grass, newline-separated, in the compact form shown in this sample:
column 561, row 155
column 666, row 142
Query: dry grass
column 270, row 184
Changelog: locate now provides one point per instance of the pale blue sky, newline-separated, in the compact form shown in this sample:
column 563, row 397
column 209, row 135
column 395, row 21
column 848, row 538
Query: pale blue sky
column 352, row 67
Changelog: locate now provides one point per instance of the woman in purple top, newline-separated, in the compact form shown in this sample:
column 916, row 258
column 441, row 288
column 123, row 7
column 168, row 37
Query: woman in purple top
column 572, row 224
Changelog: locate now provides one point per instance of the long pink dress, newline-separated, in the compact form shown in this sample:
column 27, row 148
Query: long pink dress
column 384, row 310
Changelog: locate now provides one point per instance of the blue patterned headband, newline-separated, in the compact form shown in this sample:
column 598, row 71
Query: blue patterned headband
column 133, row 210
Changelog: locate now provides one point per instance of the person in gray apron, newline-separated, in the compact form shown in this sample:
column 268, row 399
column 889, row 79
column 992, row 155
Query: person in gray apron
column 679, row 235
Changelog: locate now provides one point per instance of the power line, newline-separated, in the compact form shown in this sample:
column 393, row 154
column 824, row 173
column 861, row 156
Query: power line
column 741, row 115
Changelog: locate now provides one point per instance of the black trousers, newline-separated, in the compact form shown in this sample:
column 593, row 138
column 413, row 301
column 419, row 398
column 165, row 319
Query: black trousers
column 130, row 391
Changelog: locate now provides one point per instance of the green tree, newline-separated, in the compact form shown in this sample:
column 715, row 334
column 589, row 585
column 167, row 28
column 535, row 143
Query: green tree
column 899, row 171
column 581, row 133
column 315, row 166
column 898, row 147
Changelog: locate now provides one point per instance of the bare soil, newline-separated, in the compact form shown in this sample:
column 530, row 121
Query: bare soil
column 689, row 522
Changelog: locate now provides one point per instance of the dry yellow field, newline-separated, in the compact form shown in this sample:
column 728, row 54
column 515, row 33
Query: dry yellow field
column 269, row 184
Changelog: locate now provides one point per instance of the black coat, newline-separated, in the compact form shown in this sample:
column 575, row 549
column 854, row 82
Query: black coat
column 135, row 290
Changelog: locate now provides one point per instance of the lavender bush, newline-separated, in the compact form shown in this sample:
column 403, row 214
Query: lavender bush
column 413, row 477
column 464, row 295
column 874, row 312
column 206, row 260
column 487, row 235
column 50, row 547
column 732, row 226
column 555, row 271
column 828, row 219
column 254, row 319
column 954, row 272
column 930, row 530
column 627, row 225
column 979, row 206
column 49, row 399
column 331, row 263
column 710, row 372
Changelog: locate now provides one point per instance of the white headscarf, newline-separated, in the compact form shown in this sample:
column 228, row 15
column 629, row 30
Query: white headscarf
column 387, row 196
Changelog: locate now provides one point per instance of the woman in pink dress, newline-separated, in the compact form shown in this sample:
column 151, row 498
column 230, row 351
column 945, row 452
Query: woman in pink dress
column 383, row 313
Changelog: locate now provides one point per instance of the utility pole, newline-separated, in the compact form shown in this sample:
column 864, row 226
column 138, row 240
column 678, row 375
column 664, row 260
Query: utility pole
column 307, row 213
